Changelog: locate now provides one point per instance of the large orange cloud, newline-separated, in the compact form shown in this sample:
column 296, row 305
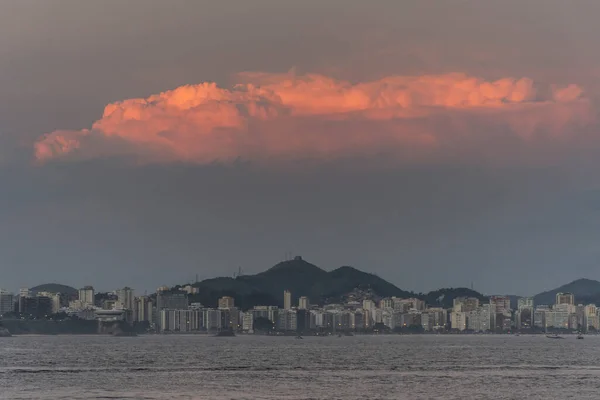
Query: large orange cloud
column 271, row 116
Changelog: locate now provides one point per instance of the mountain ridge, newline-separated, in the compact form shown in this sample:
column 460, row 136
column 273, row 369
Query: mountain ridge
column 585, row 291
column 302, row 278
column 54, row 288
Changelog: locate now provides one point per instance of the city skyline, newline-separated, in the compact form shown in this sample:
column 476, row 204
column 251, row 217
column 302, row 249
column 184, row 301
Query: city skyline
column 189, row 284
column 170, row 310
column 467, row 285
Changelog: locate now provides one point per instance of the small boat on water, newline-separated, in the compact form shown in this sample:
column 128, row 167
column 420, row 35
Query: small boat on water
column 299, row 337
column 580, row 336
column 555, row 336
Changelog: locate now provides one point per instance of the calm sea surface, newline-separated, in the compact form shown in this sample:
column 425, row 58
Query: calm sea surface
column 254, row 367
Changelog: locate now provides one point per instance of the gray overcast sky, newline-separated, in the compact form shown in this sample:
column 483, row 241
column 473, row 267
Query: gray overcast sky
column 402, row 156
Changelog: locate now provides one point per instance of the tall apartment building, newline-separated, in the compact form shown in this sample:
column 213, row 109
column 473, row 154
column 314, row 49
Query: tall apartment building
column 181, row 320
column 212, row 319
column 411, row 304
column 387, row 302
column 86, row 295
column 126, row 298
column 557, row 318
column 248, row 322
column 37, row 307
column 143, row 309
column 303, row 303
column 226, row 302
column 500, row 304
column 591, row 318
column 458, row 320
column 565, row 298
column 525, row 302
column 269, row 312
column 438, row 317
column 170, row 301
column 7, row 302
column 524, row 318
column 230, row 318
column 54, row 297
column 23, row 294
column 465, row 304
column 287, row 321
column 482, row 319
column 287, row 300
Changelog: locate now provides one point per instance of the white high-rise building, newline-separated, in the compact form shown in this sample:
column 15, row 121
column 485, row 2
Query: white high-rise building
column 303, row 303
column 86, row 295
column 465, row 304
column 226, row 302
column 525, row 302
column 211, row 319
column 458, row 320
column 500, row 304
column 287, row 320
column 481, row 320
column 126, row 298
column 438, row 317
column 565, row 298
column 54, row 297
column 590, row 319
column 369, row 306
column 143, row 309
column 387, row 302
column 287, row 300
column 248, row 322
column 181, row 320
column 24, row 293
column 557, row 318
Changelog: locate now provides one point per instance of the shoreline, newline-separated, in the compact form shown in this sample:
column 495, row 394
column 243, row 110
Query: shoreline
column 302, row 335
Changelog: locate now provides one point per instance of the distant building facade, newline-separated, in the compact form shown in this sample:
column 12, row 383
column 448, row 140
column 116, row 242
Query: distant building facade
column 287, row 300
column 7, row 302
column 86, row 295
column 226, row 302
column 37, row 307
column 465, row 304
column 143, row 309
column 303, row 303
column 169, row 301
column 126, row 298
column 565, row 298
column 525, row 302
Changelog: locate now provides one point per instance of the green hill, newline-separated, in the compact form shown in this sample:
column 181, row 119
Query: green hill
column 297, row 276
column 344, row 279
column 55, row 288
column 445, row 297
column 586, row 291
column 302, row 278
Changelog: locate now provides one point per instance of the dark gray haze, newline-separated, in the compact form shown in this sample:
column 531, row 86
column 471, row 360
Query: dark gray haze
column 508, row 218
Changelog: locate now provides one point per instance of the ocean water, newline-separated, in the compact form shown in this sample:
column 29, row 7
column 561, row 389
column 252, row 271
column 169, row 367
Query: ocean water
column 255, row 367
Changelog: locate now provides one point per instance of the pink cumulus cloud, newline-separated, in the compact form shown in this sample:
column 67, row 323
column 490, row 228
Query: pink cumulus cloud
column 282, row 116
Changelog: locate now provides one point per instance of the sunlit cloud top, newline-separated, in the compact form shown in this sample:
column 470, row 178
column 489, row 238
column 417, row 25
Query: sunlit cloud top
column 282, row 116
